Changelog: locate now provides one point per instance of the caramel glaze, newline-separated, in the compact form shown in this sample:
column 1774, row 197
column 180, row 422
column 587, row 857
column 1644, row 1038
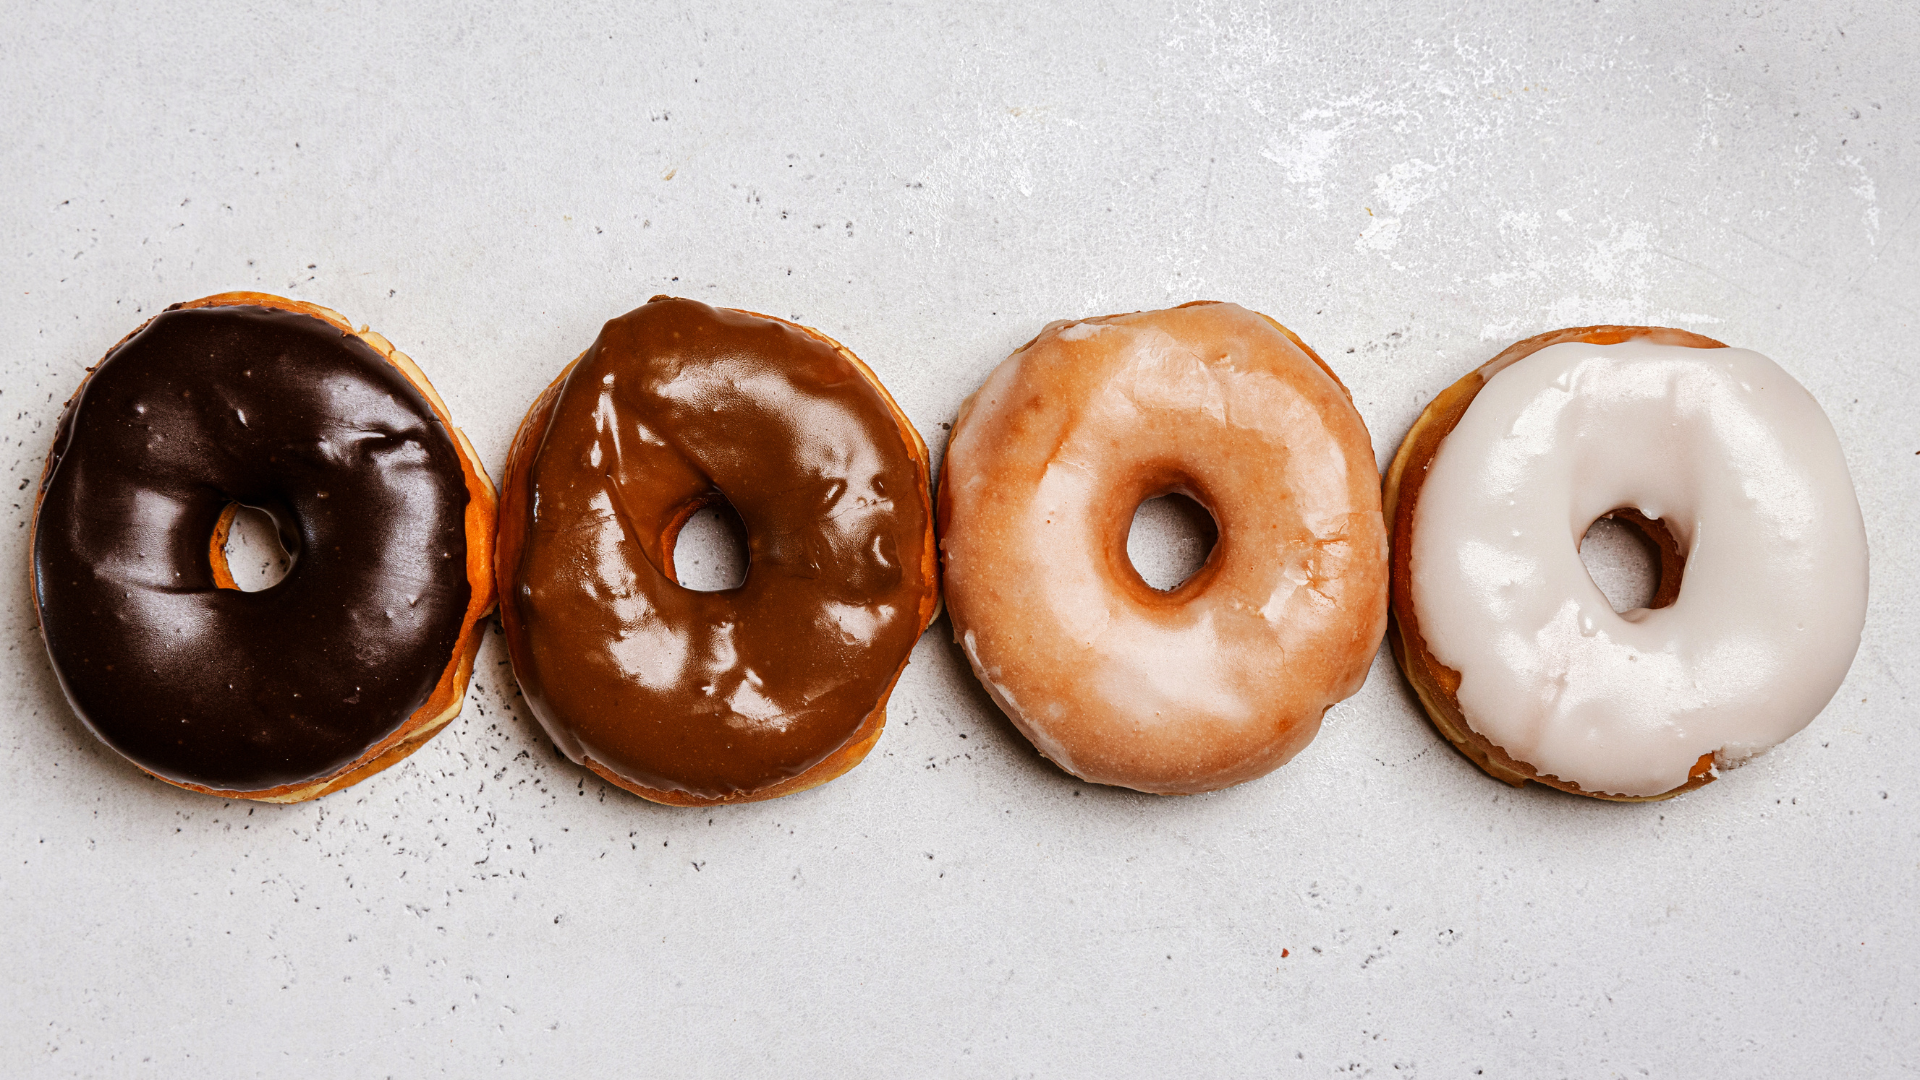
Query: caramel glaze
column 1436, row 684
column 276, row 406
column 696, row 698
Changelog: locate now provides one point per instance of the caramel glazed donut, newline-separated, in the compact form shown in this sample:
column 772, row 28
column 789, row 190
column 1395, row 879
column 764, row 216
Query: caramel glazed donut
column 1723, row 461
column 1225, row 677
column 697, row 698
column 353, row 660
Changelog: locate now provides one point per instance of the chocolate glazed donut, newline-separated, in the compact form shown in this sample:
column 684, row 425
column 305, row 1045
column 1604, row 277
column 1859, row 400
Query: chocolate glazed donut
column 355, row 658
column 696, row 698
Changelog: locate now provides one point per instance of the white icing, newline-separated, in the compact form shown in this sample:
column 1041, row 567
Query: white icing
column 1746, row 471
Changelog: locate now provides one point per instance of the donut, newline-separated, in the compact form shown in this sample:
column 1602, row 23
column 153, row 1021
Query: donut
column 1732, row 471
column 696, row 698
column 1224, row 677
column 352, row 661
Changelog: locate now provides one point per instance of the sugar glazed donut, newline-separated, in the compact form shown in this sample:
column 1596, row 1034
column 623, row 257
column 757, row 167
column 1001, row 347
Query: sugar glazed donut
column 348, row 664
column 1224, row 677
column 696, row 698
column 1723, row 461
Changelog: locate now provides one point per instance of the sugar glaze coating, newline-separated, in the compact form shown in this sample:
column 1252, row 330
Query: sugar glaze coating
column 1224, row 677
column 1744, row 469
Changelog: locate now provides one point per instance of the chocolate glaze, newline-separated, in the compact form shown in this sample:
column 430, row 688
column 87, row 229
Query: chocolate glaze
column 226, row 689
column 721, row 694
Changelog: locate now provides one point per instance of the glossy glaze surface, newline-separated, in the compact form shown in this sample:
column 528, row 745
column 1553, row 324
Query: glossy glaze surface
column 1226, row 676
column 1741, row 465
column 281, row 411
column 712, row 694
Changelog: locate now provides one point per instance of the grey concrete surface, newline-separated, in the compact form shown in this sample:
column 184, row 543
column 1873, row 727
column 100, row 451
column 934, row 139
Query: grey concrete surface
column 1410, row 186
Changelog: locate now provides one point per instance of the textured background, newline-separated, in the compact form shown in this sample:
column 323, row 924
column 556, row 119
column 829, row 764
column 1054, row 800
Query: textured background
column 1410, row 186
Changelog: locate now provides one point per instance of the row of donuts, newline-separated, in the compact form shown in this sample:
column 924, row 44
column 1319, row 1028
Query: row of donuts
column 1469, row 559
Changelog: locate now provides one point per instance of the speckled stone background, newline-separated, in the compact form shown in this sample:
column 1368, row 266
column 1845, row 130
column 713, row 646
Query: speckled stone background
column 1410, row 186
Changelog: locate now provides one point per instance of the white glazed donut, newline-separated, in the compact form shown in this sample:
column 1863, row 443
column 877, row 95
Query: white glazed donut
column 1742, row 469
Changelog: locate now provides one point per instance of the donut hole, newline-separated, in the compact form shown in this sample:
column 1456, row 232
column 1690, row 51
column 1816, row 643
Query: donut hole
column 1170, row 539
column 709, row 552
column 252, row 548
column 1627, row 556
